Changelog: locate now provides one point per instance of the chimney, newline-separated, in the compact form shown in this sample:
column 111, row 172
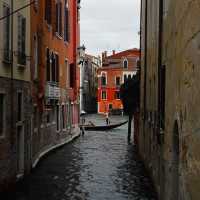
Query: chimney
column 105, row 54
column 113, row 52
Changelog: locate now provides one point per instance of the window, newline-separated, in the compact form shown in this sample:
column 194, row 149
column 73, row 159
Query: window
column 57, row 117
column 125, row 78
column 59, row 18
column 103, row 95
column 2, row 114
column 110, row 107
column 71, row 75
column 19, row 106
column 48, row 9
column 103, row 80
column 66, row 21
column 67, row 74
column 117, row 95
column 125, row 64
column 117, row 81
column 21, row 40
column 53, row 67
column 6, row 33
column 36, row 56
column 57, row 68
column 63, row 117
column 48, row 68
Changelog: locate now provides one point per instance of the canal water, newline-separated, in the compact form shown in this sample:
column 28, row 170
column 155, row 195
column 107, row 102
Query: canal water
column 96, row 166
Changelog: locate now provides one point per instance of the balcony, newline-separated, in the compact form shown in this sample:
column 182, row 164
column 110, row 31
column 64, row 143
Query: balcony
column 52, row 91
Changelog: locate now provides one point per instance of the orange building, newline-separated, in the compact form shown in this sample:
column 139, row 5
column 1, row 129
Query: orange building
column 115, row 69
column 55, row 36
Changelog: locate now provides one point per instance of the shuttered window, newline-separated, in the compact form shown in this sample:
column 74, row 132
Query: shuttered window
column 6, row 33
column 59, row 18
column 48, row 65
column 21, row 39
column 48, row 11
column 53, row 68
column 57, row 68
column 71, row 75
column 66, row 21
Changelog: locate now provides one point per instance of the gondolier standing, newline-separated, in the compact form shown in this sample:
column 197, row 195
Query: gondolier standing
column 107, row 119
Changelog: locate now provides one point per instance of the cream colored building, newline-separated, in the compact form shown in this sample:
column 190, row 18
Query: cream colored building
column 21, row 71
column 15, row 93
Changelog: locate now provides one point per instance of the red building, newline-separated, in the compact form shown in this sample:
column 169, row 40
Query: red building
column 115, row 69
column 55, row 37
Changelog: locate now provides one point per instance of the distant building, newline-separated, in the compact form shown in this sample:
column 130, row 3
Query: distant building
column 15, row 93
column 115, row 70
column 90, row 81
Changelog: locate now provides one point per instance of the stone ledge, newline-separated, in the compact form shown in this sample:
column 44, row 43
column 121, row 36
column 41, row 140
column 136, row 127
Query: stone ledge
column 53, row 147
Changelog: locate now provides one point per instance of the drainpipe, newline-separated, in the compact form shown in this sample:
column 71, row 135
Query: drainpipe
column 12, row 135
column 160, row 88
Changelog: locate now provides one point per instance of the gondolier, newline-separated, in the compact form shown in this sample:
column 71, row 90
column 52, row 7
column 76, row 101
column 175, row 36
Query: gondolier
column 107, row 119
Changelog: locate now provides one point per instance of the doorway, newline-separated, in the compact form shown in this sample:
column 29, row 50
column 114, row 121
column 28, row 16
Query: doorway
column 20, row 150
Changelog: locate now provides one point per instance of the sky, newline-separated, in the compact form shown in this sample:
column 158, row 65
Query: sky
column 108, row 25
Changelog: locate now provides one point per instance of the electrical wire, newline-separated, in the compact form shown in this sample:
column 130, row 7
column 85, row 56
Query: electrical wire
column 17, row 10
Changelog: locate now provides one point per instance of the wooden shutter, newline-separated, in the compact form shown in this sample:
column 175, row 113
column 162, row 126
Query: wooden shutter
column 57, row 68
column 48, row 7
column 60, row 18
column 57, row 17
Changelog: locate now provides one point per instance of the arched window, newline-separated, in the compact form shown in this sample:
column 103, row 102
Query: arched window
column 125, row 63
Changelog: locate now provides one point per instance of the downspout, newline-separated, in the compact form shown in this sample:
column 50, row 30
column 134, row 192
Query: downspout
column 160, row 40
column 12, row 135
column 145, row 59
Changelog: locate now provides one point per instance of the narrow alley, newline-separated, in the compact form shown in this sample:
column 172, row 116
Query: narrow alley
column 96, row 166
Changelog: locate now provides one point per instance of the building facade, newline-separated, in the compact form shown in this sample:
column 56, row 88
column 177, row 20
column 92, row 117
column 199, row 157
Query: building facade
column 39, row 82
column 55, row 73
column 90, row 81
column 15, row 93
column 115, row 69
column 169, row 122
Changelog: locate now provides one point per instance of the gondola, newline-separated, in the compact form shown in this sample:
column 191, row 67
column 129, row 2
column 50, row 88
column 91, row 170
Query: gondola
column 90, row 127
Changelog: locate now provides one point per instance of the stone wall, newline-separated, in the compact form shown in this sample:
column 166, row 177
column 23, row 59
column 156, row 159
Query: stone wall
column 173, row 158
column 8, row 142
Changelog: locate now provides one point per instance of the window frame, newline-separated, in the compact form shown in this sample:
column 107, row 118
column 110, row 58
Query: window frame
column 59, row 17
column 103, row 92
column 6, row 33
column 125, row 61
column 21, row 39
column 116, row 80
column 116, row 97
column 103, row 75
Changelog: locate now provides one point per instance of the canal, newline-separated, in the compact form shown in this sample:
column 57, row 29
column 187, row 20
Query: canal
column 96, row 166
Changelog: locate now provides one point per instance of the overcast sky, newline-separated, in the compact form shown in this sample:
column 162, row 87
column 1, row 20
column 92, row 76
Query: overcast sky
column 109, row 24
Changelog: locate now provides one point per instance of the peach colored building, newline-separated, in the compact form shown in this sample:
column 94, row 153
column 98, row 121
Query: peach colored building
column 115, row 69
